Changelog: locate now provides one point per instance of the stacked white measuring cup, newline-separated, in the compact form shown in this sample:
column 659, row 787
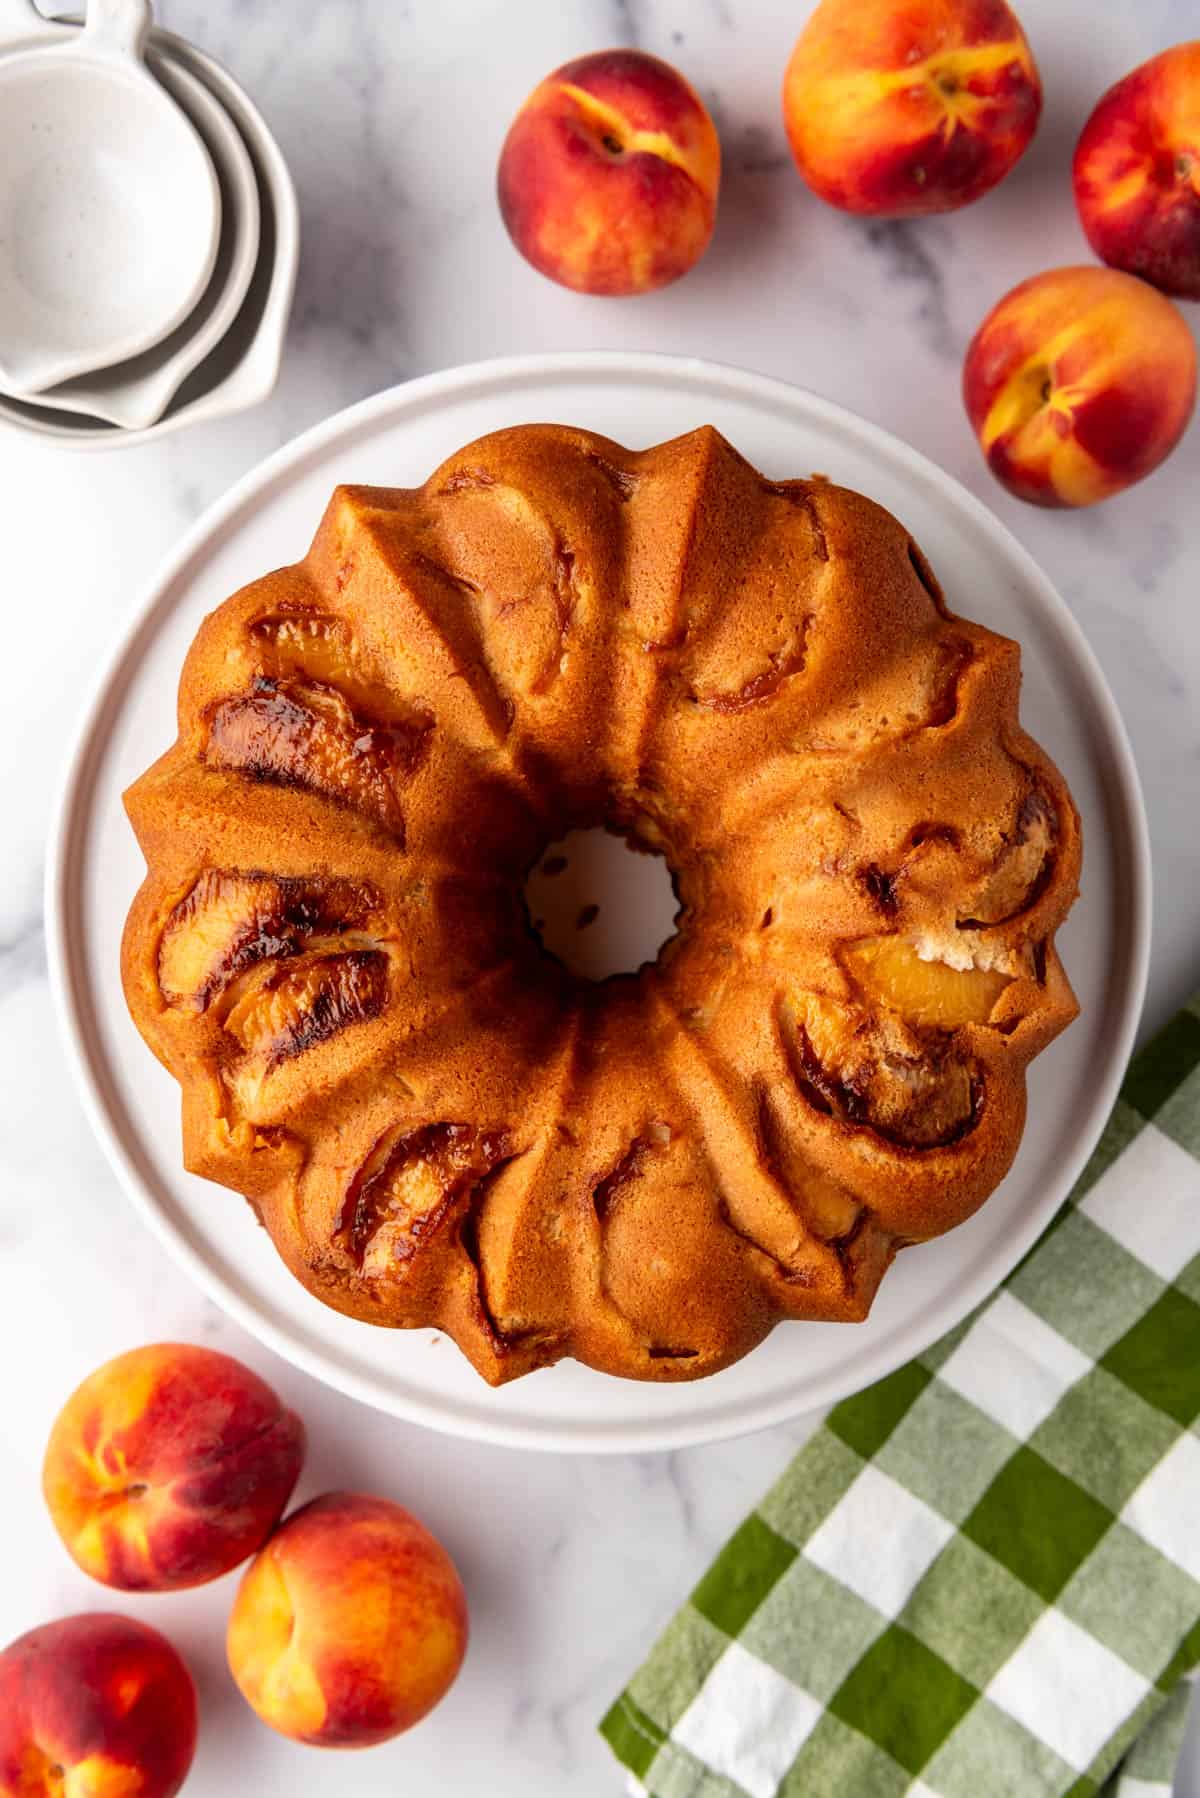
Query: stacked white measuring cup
column 149, row 232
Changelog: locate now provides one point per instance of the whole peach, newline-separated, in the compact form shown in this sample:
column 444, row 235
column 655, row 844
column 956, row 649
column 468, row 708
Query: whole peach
column 350, row 1625
column 95, row 1706
column 169, row 1466
column 901, row 107
column 1078, row 383
column 609, row 174
column 1137, row 173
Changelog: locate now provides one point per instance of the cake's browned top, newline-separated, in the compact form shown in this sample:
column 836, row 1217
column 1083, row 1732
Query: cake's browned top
column 434, row 1121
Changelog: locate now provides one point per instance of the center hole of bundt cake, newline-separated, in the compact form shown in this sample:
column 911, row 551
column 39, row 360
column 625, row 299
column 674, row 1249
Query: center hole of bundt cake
column 601, row 905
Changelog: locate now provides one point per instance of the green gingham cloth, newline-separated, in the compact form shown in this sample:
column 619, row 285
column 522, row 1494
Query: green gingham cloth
column 980, row 1577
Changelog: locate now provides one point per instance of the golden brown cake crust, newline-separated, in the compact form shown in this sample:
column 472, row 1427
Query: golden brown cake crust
column 435, row 1122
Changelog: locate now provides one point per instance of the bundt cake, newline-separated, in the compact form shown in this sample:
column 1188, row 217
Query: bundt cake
column 438, row 1123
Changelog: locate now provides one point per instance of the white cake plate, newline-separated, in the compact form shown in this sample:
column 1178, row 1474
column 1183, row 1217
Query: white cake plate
column 397, row 438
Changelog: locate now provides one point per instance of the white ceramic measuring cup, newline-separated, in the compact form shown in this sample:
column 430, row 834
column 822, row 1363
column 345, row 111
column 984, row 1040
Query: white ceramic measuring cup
column 109, row 204
column 135, row 394
column 243, row 368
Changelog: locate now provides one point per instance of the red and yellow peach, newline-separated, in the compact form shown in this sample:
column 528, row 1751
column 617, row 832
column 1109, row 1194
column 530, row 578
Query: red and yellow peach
column 1137, row 173
column 94, row 1706
column 168, row 1467
column 901, row 107
column 350, row 1624
column 609, row 174
column 1078, row 383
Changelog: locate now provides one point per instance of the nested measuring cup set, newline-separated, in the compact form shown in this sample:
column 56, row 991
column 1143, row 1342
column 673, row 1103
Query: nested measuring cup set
column 149, row 232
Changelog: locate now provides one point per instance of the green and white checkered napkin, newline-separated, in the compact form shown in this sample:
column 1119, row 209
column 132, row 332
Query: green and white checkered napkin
column 980, row 1577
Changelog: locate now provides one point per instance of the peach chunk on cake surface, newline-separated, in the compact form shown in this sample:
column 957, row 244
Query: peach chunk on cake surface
column 349, row 1626
column 168, row 1466
column 609, row 174
column 1137, row 173
column 901, row 107
column 94, row 1706
column 1078, row 383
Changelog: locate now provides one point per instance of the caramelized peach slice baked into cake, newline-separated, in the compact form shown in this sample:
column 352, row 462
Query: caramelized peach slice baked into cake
column 758, row 680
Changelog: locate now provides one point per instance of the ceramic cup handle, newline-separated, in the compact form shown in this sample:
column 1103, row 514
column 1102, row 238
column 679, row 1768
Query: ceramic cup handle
column 117, row 26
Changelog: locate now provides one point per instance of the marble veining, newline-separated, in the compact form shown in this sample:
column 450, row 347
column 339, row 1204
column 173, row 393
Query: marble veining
column 391, row 117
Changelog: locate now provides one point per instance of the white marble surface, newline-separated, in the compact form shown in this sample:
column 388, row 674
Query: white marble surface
column 391, row 116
